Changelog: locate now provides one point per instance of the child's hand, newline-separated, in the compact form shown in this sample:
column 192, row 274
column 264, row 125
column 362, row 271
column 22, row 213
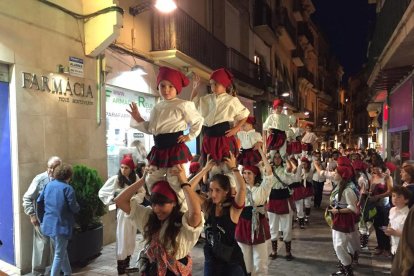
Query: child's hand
column 135, row 112
column 196, row 81
column 258, row 145
column 183, row 139
column 179, row 171
column 231, row 161
column 231, row 132
column 390, row 231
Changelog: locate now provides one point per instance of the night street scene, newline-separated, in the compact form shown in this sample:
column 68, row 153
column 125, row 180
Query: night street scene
column 207, row 137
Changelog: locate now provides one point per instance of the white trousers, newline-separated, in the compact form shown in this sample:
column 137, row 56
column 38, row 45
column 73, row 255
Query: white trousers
column 126, row 233
column 156, row 174
column 299, row 208
column 42, row 253
column 282, row 151
column 340, row 243
column 255, row 258
column 354, row 243
column 308, row 201
column 282, row 222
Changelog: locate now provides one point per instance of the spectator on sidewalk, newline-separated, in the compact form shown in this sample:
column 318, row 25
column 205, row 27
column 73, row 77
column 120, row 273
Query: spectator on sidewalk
column 42, row 251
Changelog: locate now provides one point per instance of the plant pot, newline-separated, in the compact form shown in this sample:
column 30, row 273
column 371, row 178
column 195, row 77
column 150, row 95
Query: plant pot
column 85, row 246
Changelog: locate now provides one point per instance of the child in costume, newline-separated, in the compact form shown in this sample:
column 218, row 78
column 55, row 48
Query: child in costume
column 276, row 126
column 168, row 119
column 251, row 141
column 309, row 140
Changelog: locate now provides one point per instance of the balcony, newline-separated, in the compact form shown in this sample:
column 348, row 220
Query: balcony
column 262, row 22
column 179, row 40
column 298, row 56
column 298, row 10
column 305, row 35
column 246, row 70
column 305, row 74
column 397, row 40
column 285, row 29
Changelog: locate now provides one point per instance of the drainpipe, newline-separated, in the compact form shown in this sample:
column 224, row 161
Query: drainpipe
column 100, row 84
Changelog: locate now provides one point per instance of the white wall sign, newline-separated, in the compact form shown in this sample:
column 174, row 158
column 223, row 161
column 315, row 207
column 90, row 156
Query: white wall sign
column 76, row 66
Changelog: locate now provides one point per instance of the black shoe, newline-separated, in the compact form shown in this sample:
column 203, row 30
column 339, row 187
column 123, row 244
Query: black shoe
column 289, row 257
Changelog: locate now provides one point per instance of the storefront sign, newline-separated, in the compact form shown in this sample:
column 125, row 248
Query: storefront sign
column 67, row 90
column 76, row 66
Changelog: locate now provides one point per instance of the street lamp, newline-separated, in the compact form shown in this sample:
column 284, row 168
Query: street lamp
column 164, row 6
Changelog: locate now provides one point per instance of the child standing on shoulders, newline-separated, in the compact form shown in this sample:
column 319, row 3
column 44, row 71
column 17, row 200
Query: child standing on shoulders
column 400, row 198
column 276, row 126
column 223, row 115
column 309, row 140
column 251, row 141
column 167, row 121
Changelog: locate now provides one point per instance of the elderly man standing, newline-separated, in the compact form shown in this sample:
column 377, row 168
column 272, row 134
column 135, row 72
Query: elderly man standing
column 42, row 250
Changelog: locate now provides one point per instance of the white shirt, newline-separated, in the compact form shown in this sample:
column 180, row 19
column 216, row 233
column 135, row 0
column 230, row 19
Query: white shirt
column 277, row 121
column 249, row 138
column 316, row 176
column 261, row 193
column 186, row 239
column 107, row 192
column 397, row 219
column 220, row 108
column 309, row 138
column 171, row 116
column 348, row 199
column 297, row 131
column 284, row 176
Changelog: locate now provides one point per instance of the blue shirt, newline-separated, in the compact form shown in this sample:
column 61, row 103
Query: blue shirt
column 60, row 207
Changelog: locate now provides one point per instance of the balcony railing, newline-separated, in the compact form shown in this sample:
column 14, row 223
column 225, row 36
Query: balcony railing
column 179, row 31
column 262, row 14
column 246, row 70
column 387, row 21
column 304, row 73
column 303, row 30
column 282, row 20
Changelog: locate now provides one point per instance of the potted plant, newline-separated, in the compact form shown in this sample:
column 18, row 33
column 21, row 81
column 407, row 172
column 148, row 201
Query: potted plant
column 87, row 238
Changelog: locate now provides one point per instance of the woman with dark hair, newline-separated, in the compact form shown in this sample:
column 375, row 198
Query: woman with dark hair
column 253, row 229
column 343, row 203
column 169, row 233
column 380, row 190
column 58, row 221
column 125, row 230
column 223, row 255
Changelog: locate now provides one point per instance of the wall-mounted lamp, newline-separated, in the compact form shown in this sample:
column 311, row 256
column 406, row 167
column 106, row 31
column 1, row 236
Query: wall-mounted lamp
column 60, row 69
column 306, row 113
column 285, row 94
column 138, row 70
column 164, row 6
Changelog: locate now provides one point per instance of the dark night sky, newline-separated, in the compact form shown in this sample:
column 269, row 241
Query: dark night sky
column 347, row 25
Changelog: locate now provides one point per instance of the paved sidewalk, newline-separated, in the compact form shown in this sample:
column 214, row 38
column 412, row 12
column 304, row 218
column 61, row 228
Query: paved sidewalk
column 312, row 249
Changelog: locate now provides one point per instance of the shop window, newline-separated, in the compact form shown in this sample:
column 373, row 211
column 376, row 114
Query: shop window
column 400, row 146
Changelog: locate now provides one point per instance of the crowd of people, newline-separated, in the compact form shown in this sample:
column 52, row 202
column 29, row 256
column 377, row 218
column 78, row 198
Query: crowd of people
column 247, row 189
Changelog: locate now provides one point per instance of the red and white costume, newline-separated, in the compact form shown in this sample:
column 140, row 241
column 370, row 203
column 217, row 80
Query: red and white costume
column 277, row 125
column 280, row 207
column 249, row 156
column 253, row 229
column 168, row 119
column 219, row 113
column 308, row 141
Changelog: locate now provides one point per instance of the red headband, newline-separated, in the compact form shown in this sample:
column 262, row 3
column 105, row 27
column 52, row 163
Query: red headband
column 253, row 169
column 177, row 79
column 251, row 120
column 222, row 76
column 304, row 159
column 343, row 161
column 345, row 172
column 359, row 165
column 128, row 162
column 278, row 102
column 194, row 167
column 390, row 166
column 164, row 188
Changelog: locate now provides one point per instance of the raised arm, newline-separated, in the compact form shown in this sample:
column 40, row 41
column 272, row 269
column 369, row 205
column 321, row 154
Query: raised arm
column 122, row 201
column 240, row 197
column 267, row 165
column 196, row 84
column 194, row 206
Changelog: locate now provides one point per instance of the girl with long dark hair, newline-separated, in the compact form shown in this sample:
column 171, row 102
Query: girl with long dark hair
column 169, row 234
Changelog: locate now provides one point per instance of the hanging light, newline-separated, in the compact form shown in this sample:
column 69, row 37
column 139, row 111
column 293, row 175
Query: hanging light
column 165, row 6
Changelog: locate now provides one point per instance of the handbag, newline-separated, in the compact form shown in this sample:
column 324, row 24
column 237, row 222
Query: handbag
column 328, row 216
